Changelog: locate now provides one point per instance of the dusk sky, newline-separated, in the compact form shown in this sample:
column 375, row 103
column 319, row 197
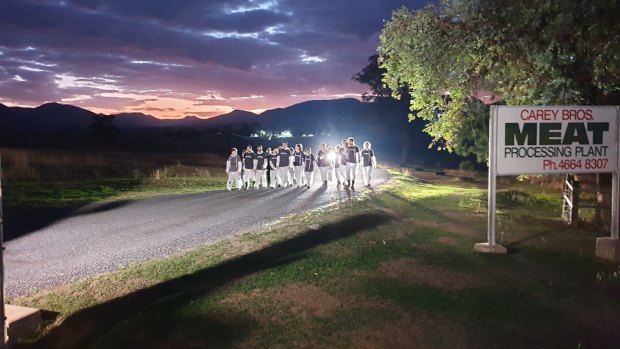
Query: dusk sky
column 191, row 57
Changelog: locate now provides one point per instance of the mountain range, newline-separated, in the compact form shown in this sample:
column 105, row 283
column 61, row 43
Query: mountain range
column 308, row 115
column 61, row 126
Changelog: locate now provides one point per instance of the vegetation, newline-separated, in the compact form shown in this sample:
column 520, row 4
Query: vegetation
column 536, row 52
column 394, row 269
column 34, row 178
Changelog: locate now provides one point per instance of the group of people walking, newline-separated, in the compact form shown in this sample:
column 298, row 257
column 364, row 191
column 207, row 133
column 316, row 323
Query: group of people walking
column 284, row 166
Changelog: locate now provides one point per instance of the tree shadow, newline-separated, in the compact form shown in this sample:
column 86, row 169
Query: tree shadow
column 84, row 327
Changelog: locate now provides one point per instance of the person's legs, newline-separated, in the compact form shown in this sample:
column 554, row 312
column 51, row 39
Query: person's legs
column 366, row 174
column 283, row 174
column 237, row 179
column 323, row 171
column 231, row 178
column 298, row 175
column 309, row 177
column 258, row 178
column 274, row 179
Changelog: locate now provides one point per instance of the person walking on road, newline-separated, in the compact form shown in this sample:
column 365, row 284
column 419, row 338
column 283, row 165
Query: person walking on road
column 260, row 165
column 233, row 169
column 273, row 165
column 248, row 166
column 308, row 161
column 353, row 159
column 323, row 162
column 298, row 154
column 268, row 154
column 338, row 167
column 284, row 165
column 368, row 162
column 330, row 159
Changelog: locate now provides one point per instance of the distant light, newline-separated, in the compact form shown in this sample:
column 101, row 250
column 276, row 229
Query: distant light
column 331, row 156
column 284, row 134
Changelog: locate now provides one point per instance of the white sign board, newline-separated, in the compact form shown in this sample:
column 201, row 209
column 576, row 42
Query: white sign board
column 546, row 140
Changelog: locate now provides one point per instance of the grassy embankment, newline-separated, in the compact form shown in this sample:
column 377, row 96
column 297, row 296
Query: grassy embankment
column 37, row 178
column 392, row 270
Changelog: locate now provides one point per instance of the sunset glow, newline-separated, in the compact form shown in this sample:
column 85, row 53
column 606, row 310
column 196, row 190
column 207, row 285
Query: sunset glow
column 201, row 58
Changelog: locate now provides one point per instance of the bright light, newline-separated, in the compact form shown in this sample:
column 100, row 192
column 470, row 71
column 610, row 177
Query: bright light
column 284, row 134
column 331, row 156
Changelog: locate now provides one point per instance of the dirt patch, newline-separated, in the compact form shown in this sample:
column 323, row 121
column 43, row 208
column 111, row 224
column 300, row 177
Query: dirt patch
column 305, row 299
column 462, row 228
column 409, row 270
column 300, row 299
column 448, row 241
column 403, row 335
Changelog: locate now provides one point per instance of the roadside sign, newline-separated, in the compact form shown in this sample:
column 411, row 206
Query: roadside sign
column 548, row 140
column 552, row 140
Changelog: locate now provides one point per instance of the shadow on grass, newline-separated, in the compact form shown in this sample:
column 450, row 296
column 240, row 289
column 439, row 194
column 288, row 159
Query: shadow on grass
column 87, row 326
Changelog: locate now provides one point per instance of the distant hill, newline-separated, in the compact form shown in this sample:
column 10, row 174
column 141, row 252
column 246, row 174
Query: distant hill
column 54, row 125
column 235, row 117
column 47, row 117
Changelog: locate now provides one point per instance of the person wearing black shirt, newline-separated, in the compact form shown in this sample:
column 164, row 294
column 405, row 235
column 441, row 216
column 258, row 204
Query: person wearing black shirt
column 308, row 161
column 368, row 162
column 284, row 164
column 273, row 165
column 268, row 154
column 248, row 166
column 352, row 152
column 233, row 169
column 337, row 164
column 260, row 164
column 298, row 154
column 323, row 162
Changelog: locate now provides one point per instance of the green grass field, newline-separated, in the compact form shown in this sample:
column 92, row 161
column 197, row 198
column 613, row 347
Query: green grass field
column 52, row 178
column 395, row 269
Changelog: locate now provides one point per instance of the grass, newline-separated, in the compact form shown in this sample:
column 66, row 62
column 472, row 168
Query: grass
column 49, row 178
column 395, row 269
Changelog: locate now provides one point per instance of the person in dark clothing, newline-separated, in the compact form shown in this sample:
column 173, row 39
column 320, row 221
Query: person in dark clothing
column 284, row 164
column 353, row 159
column 323, row 162
column 233, row 169
column 298, row 154
column 308, row 161
column 248, row 166
column 260, row 164
column 368, row 162
column 273, row 165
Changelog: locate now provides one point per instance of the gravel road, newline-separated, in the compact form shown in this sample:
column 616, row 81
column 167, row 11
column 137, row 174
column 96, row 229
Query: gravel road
column 103, row 237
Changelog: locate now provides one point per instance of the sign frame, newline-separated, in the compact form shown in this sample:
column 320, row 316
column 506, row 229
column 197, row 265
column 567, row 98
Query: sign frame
column 491, row 246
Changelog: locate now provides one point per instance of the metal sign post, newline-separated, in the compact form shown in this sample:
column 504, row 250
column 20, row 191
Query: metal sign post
column 2, row 314
column 491, row 246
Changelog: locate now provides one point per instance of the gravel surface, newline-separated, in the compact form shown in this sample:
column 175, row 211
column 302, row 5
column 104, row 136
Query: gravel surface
column 104, row 237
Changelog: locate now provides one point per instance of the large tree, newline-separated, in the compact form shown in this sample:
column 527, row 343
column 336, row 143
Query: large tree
column 522, row 52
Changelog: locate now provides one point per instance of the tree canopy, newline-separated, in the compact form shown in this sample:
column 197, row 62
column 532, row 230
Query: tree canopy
column 538, row 52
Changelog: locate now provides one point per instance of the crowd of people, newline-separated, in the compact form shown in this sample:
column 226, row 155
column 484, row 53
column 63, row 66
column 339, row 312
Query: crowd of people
column 284, row 166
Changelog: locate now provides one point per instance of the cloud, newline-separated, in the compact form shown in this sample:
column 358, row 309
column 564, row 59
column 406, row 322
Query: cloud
column 194, row 54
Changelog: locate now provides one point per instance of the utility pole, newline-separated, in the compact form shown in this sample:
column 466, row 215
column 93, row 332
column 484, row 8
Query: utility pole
column 2, row 314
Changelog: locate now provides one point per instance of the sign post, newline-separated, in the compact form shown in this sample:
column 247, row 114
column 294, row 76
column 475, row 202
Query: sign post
column 554, row 140
column 491, row 246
